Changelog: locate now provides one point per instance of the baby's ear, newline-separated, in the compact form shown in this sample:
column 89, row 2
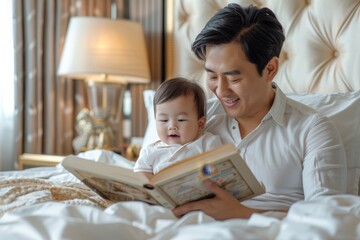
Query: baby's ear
column 202, row 122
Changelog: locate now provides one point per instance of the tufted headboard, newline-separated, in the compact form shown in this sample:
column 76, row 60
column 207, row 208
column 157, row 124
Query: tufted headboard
column 321, row 53
column 320, row 59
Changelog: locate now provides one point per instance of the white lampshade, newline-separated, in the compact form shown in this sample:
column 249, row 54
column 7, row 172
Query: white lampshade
column 104, row 49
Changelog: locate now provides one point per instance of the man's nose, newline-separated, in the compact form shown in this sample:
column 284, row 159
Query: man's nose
column 222, row 87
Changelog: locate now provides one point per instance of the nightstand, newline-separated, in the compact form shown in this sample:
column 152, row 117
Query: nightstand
column 38, row 160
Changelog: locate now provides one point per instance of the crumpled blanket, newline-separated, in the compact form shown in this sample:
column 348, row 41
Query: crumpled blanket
column 20, row 192
column 328, row 217
column 50, row 203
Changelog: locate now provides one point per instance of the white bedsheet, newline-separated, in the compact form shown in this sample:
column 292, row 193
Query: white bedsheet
column 336, row 217
column 328, row 218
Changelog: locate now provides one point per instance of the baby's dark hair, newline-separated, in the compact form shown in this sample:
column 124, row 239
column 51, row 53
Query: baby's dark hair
column 176, row 87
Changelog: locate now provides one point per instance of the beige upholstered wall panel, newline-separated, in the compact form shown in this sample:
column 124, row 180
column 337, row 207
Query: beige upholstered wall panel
column 321, row 52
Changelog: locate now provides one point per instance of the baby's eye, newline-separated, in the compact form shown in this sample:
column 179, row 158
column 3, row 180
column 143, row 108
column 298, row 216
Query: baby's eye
column 182, row 120
column 163, row 120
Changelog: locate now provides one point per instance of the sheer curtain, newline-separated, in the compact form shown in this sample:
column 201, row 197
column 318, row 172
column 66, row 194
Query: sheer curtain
column 7, row 124
column 151, row 15
column 45, row 106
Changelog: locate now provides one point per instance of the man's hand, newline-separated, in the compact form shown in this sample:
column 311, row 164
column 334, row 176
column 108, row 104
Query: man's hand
column 221, row 207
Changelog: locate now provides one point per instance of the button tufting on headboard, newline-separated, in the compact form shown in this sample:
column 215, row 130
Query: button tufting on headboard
column 321, row 52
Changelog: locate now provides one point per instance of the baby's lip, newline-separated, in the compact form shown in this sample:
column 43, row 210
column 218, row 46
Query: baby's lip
column 173, row 135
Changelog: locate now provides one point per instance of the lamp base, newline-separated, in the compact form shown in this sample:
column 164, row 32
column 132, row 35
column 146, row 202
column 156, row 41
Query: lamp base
column 93, row 134
column 100, row 127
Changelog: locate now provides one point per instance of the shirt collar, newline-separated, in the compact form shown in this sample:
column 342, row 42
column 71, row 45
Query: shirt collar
column 277, row 110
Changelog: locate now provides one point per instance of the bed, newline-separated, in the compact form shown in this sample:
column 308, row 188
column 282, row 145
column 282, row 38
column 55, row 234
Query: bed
column 319, row 67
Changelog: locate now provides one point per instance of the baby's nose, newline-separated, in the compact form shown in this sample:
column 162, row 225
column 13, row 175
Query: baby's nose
column 173, row 127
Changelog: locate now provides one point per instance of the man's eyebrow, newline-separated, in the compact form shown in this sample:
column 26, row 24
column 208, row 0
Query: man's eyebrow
column 208, row 70
column 230, row 72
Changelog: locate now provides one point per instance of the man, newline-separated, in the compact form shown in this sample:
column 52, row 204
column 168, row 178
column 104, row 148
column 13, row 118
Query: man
column 295, row 152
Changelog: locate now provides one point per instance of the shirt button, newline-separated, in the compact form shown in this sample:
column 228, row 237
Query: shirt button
column 233, row 127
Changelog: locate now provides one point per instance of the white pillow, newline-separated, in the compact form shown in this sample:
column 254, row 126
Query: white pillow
column 150, row 134
column 342, row 108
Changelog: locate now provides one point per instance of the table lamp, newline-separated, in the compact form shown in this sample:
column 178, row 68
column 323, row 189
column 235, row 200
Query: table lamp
column 108, row 54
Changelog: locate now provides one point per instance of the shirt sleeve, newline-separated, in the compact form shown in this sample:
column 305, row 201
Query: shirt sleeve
column 142, row 164
column 324, row 167
column 212, row 142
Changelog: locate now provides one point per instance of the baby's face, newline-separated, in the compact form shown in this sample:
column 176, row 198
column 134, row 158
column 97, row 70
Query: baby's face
column 177, row 120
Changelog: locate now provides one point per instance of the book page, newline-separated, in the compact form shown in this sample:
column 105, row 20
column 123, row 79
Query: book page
column 114, row 190
column 189, row 187
column 113, row 182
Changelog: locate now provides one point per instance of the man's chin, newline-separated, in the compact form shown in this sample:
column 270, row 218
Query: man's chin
column 231, row 113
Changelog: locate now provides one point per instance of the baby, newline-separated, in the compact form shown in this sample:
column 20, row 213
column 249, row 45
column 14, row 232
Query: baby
column 179, row 107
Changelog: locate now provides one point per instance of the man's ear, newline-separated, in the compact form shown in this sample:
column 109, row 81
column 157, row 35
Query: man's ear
column 202, row 122
column 272, row 68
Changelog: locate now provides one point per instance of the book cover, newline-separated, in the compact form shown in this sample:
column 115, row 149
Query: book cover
column 173, row 186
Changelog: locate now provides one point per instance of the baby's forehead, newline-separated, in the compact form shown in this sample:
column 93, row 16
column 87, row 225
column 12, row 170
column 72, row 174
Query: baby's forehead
column 176, row 107
column 183, row 100
column 184, row 96
column 166, row 114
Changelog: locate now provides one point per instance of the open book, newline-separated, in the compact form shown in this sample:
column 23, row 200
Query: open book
column 175, row 185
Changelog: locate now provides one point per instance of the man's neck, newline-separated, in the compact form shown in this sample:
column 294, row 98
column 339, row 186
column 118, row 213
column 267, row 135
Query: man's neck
column 248, row 124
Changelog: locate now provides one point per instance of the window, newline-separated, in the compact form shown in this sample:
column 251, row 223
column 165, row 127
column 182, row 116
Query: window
column 7, row 98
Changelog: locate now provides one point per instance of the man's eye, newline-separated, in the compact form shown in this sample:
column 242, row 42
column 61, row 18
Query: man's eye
column 235, row 80
column 212, row 77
